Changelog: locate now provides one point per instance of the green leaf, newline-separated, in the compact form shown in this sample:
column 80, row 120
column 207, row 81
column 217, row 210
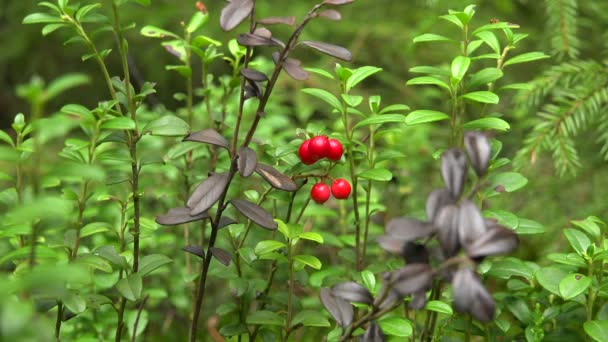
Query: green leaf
column 94, row 228
column 6, row 138
column 495, row 26
column 571, row 259
column 151, row 262
column 506, row 181
column 265, row 317
column 431, row 37
column 50, row 28
column 310, row 318
column 183, row 70
column 119, row 123
column 550, row 278
column 320, row 72
column 529, row 227
column 94, row 261
column 377, row 174
column 267, row 246
column 65, row 82
column 439, row 306
column 510, row 267
column 381, row 119
column 453, row 19
column 597, row 330
column 309, row 260
column 359, row 75
column 460, row 65
column 201, row 40
column 312, row 236
column 168, row 125
column 41, row 18
column 517, row 86
column 573, row 285
column 490, row 39
column 369, row 280
column 197, row 21
column 155, row 32
column 578, row 240
column 430, row 70
column 394, row 108
column 482, row 97
column 526, row 57
column 324, row 95
column 130, row 287
column 488, row 123
column 144, row 2
column 42, row 252
column 84, row 10
column 424, row 116
column 484, row 76
column 74, row 302
column 396, row 326
column 590, row 226
column 75, row 109
column 428, row 80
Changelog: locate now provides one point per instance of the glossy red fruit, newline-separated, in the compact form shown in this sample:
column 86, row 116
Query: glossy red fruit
column 320, row 192
column 304, row 153
column 319, row 147
column 340, row 188
column 335, row 150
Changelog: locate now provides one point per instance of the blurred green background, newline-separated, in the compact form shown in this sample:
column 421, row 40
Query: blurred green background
column 378, row 32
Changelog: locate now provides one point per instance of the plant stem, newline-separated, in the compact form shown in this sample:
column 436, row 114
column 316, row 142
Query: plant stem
column 290, row 289
column 58, row 320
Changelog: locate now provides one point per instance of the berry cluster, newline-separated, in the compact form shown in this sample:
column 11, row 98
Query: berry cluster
column 315, row 149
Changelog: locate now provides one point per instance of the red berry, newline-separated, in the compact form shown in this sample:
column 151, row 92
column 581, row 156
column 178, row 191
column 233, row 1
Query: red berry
column 304, row 153
column 340, row 188
column 335, row 150
column 320, row 192
column 319, row 147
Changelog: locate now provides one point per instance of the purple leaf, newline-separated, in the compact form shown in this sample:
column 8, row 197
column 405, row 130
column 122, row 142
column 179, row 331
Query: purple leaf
column 373, row 334
column 225, row 221
column 196, row 250
column 254, row 75
column 470, row 296
column 247, row 162
column 337, row 2
column 250, row 39
column 479, row 151
column 275, row 178
column 291, row 20
column 234, row 13
column 341, row 310
column 221, row 255
column 330, row 14
column 390, row 244
column 179, row 216
column 414, row 253
column 292, row 67
column 207, row 193
column 418, row 300
column 471, row 224
column 330, row 49
column 497, row 240
column 412, row 278
column 352, row 292
column 255, row 213
column 454, row 170
column 447, row 227
column 208, row 136
column 408, row 229
column 435, row 201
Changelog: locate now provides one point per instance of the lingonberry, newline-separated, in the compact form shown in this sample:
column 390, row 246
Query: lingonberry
column 319, row 147
column 320, row 192
column 304, row 153
column 335, row 150
column 340, row 188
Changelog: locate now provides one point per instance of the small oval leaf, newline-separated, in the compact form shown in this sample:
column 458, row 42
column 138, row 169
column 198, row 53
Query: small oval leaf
column 275, row 178
column 255, row 213
column 208, row 136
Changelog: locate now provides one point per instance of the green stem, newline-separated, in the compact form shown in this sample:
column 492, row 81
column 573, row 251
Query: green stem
column 290, row 289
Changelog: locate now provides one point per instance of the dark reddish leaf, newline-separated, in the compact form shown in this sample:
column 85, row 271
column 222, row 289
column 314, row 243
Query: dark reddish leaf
column 447, row 228
column 337, row 2
column 208, row 136
column 178, row 216
column 454, row 170
column 255, row 213
column 437, row 200
column 391, row 298
column 275, row 178
column 250, row 39
column 196, row 250
column 412, row 278
column 207, row 193
column 262, row 32
column 252, row 89
column 330, row 14
column 278, row 20
column 247, row 161
column 414, row 253
column 352, row 292
column 418, row 300
column 390, row 244
column 292, row 67
column 373, row 334
column 408, row 229
column 254, row 75
column 330, row 49
column 470, row 296
column 471, row 224
column 497, row 240
column 225, row 221
column 341, row 310
column 221, row 255
column 234, row 13
column 479, row 150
